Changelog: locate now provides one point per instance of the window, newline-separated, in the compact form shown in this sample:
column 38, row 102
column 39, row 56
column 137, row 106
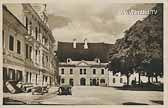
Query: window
column 102, row 81
column 36, row 56
column 121, row 80
column 30, row 52
column 71, row 71
column 36, row 33
column 18, row 47
column 30, row 77
column 62, row 80
column 85, row 71
column 3, row 40
column 27, row 75
column 11, row 43
column 46, row 78
column 26, row 23
column 36, row 78
column 62, row 71
column 47, row 59
column 30, row 28
column 80, row 71
column 11, row 74
column 18, row 75
column 113, row 80
column 27, row 50
column 102, row 71
column 94, row 71
column 71, row 82
column 5, row 75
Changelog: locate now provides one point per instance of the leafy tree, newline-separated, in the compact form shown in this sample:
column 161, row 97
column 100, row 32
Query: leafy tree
column 141, row 49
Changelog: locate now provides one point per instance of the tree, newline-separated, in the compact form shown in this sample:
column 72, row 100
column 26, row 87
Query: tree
column 141, row 49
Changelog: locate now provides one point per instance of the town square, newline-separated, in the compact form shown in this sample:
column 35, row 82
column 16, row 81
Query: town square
column 83, row 53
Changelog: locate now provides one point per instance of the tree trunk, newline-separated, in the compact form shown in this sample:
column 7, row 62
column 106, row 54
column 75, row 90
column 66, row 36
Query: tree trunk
column 152, row 79
column 139, row 78
column 148, row 79
column 156, row 77
column 127, row 79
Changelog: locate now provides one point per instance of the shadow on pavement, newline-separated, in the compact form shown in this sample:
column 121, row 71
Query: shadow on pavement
column 138, row 89
column 7, row 101
column 133, row 103
column 158, row 102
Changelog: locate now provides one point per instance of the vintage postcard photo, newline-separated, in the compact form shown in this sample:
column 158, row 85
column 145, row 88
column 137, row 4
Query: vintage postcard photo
column 87, row 52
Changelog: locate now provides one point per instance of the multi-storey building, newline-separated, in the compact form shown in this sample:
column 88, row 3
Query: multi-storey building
column 13, row 47
column 35, row 40
column 83, row 63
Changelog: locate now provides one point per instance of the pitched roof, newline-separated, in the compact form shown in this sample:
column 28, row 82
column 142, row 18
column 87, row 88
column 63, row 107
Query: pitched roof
column 95, row 50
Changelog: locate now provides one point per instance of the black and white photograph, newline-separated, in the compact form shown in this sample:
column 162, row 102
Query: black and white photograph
column 86, row 52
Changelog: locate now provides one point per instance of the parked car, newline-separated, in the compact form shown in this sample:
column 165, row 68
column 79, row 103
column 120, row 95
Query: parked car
column 65, row 90
column 11, row 86
column 39, row 90
column 27, row 87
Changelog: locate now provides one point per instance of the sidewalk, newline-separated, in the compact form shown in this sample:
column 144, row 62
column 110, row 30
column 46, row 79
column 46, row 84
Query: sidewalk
column 27, row 98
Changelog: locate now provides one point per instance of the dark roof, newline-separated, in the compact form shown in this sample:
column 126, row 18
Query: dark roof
column 8, row 15
column 95, row 50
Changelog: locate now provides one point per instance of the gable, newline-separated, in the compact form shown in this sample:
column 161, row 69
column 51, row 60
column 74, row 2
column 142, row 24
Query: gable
column 82, row 63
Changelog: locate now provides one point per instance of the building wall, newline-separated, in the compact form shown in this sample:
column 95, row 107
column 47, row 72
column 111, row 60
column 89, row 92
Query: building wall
column 76, row 76
column 13, row 61
column 39, row 67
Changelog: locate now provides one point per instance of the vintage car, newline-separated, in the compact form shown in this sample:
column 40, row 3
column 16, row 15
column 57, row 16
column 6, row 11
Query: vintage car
column 65, row 90
column 26, row 87
column 39, row 90
column 12, row 87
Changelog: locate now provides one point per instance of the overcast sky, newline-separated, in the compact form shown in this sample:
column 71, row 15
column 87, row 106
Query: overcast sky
column 96, row 20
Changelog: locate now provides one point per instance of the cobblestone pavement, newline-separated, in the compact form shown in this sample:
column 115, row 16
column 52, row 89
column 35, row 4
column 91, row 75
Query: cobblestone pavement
column 83, row 95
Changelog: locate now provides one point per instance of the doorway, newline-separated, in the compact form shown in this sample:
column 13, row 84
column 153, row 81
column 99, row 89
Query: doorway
column 82, row 81
column 71, row 82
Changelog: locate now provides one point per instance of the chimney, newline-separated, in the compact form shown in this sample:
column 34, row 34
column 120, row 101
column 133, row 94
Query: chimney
column 74, row 43
column 85, row 44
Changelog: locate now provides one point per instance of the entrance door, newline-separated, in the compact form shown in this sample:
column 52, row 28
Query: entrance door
column 94, row 82
column 71, row 82
column 82, row 81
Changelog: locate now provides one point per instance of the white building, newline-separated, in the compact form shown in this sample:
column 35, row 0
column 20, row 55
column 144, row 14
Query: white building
column 84, row 63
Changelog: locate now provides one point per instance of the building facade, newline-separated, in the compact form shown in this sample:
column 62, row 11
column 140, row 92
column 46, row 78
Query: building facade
column 84, row 63
column 28, row 54
column 89, row 73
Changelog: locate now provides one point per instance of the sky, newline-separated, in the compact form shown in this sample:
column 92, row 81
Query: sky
column 96, row 20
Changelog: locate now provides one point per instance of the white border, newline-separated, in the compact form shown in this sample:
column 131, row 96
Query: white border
column 94, row 106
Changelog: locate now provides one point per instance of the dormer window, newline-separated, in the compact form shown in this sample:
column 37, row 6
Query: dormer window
column 97, row 60
column 68, row 60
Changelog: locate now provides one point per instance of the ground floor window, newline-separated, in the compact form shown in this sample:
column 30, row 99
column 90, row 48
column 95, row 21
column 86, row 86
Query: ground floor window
column 36, row 78
column 11, row 74
column 62, row 80
column 30, row 77
column 102, row 80
column 46, row 79
column 19, row 75
column 27, row 77
column 121, row 80
column 114, row 80
column 5, row 75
